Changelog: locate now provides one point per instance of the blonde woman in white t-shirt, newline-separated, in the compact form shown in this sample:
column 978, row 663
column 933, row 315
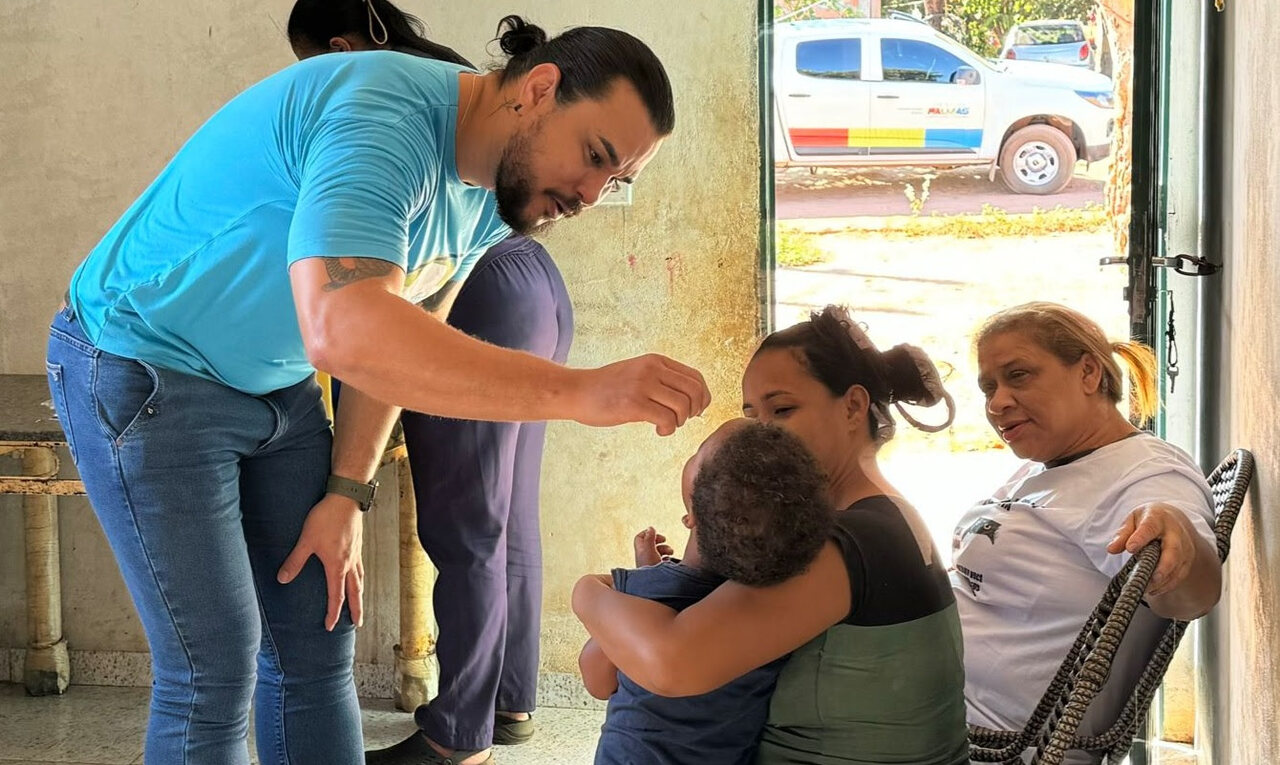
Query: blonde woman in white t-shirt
column 1031, row 561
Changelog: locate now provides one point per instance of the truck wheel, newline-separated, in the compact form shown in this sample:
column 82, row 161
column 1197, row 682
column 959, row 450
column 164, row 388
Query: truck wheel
column 1038, row 159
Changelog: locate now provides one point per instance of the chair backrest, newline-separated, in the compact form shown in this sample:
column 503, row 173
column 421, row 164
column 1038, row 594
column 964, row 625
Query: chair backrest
column 1052, row 726
column 1230, row 482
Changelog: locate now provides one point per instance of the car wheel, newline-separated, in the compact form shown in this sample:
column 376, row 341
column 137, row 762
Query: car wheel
column 1038, row 159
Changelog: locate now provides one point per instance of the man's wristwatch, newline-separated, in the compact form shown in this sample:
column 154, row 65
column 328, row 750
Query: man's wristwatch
column 362, row 493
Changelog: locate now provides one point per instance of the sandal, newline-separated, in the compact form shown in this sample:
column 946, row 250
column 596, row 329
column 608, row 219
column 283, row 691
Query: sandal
column 509, row 732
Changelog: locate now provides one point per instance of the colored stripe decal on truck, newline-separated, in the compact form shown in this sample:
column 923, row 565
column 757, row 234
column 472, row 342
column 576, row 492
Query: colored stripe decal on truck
column 885, row 138
column 819, row 137
column 953, row 139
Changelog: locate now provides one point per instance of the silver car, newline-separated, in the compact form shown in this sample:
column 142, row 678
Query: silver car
column 1056, row 42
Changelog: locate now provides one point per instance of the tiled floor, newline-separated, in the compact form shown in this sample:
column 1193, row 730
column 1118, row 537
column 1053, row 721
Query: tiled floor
column 104, row 726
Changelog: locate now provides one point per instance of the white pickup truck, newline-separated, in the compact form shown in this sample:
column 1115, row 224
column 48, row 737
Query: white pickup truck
column 876, row 92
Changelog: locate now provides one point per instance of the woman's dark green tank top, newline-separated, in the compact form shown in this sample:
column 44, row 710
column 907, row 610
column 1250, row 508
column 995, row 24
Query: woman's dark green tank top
column 886, row 685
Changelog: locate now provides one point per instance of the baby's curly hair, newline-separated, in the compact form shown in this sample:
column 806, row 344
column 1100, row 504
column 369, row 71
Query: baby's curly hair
column 761, row 507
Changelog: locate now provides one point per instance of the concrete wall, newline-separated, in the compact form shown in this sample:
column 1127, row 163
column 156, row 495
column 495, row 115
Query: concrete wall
column 674, row 273
column 1242, row 642
column 99, row 96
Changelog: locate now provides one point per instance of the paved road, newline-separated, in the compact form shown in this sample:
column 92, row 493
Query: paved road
column 843, row 193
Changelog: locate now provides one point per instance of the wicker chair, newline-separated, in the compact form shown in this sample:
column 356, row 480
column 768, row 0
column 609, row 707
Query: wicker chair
column 1051, row 729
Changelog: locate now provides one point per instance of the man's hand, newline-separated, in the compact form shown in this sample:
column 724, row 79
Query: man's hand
column 1177, row 543
column 651, row 388
column 651, row 548
column 333, row 532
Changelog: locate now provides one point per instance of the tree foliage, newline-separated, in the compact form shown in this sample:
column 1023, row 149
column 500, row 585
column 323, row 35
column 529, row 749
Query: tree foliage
column 809, row 9
column 982, row 25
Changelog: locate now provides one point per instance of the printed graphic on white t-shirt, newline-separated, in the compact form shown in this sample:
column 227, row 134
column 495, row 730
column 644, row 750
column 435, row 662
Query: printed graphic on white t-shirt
column 986, row 519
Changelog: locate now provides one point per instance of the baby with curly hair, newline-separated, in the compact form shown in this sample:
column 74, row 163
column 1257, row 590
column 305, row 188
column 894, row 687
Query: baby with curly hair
column 758, row 513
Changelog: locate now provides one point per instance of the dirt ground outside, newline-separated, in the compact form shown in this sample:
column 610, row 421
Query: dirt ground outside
column 933, row 292
column 833, row 192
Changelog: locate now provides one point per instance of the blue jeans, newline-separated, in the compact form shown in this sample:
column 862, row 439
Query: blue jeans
column 202, row 491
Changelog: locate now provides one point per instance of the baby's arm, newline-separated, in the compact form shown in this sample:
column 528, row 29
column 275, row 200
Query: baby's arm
column 599, row 675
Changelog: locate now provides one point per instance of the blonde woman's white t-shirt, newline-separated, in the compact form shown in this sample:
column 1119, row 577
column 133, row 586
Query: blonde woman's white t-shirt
column 1031, row 562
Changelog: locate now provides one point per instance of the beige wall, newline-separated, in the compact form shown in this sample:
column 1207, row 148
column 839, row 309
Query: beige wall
column 690, row 293
column 98, row 97
column 1242, row 670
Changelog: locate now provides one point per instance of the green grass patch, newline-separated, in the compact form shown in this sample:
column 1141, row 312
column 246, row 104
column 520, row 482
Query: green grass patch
column 799, row 248
column 799, row 245
column 995, row 222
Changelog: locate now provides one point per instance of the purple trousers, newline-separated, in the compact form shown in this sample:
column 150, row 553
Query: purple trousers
column 476, row 485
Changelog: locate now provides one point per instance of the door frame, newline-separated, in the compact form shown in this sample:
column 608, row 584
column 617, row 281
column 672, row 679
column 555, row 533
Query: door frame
column 768, row 256
column 1149, row 142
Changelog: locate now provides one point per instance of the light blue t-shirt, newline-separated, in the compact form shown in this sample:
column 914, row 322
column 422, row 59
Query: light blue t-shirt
column 338, row 155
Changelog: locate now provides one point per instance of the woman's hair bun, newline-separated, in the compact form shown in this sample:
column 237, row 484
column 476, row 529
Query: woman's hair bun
column 904, row 374
column 517, row 37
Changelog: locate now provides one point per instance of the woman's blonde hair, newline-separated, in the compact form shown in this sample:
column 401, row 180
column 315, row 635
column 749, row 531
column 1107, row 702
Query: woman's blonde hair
column 1069, row 335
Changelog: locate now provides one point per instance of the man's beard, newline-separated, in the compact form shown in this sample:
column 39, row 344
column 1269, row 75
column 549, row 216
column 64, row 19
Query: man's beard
column 513, row 185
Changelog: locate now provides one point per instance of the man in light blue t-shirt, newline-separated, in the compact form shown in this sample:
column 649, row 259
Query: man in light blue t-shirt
column 291, row 233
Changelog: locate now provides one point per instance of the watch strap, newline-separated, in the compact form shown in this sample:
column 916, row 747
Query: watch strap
column 362, row 493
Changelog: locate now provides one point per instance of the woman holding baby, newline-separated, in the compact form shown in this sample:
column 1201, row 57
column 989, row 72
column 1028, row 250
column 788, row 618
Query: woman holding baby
column 877, row 662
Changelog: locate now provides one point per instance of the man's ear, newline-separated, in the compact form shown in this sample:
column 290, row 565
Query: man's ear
column 537, row 93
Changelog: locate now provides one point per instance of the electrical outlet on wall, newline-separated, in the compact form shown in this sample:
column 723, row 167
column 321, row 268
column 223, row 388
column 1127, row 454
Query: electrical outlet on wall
column 621, row 197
